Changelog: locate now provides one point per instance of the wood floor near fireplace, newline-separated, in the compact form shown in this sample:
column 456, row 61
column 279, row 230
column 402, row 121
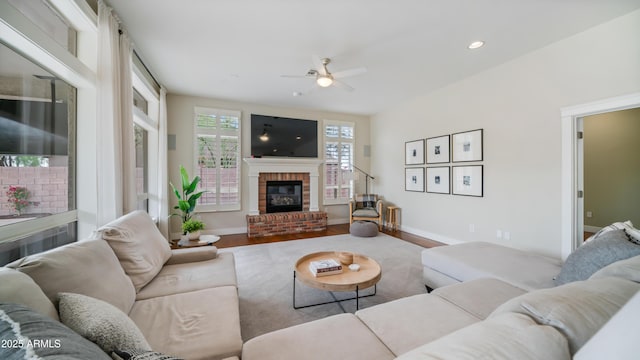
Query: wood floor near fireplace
column 286, row 223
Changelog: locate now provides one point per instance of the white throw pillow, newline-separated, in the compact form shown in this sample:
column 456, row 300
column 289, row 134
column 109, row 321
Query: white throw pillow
column 139, row 245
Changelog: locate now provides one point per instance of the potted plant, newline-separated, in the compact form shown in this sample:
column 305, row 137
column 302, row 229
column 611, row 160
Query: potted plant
column 187, row 197
column 192, row 227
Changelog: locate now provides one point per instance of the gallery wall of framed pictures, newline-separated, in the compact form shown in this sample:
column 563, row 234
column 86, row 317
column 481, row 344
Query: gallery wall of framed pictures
column 464, row 149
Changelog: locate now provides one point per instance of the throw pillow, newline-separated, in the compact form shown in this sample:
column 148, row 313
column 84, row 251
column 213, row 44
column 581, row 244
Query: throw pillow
column 602, row 250
column 141, row 355
column 27, row 334
column 627, row 269
column 100, row 322
column 139, row 245
column 578, row 310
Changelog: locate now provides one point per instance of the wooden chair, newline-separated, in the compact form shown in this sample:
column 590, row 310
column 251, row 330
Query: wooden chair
column 366, row 207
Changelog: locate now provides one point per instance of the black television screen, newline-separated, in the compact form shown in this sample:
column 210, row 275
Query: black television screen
column 278, row 136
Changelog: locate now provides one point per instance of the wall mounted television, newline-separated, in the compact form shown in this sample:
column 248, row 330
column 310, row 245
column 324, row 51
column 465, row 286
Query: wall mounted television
column 284, row 137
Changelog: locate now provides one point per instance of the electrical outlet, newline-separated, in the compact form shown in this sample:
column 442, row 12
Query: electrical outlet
column 507, row 235
column 472, row 228
column 499, row 234
column 589, row 214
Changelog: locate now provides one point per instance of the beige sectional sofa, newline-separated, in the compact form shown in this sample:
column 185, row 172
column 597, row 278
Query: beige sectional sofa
column 184, row 302
column 478, row 319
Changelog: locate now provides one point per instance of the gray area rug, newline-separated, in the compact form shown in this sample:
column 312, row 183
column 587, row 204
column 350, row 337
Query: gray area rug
column 265, row 279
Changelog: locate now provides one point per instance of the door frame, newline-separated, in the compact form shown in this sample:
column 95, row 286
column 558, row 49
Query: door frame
column 572, row 211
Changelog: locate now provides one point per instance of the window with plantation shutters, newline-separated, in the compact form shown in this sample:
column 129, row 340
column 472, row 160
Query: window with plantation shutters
column 217, row 158
column 338, row 156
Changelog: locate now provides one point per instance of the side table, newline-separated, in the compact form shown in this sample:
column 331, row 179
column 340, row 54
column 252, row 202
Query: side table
column 392, row 217
column 205, row 240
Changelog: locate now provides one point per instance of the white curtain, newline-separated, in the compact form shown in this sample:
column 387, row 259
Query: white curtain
column 114, row 132
column 163, row 181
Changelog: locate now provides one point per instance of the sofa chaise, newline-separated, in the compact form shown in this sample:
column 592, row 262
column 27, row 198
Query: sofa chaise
column 183, row 302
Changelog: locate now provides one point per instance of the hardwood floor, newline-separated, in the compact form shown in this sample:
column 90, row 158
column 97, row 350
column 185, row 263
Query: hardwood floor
column 242, row 239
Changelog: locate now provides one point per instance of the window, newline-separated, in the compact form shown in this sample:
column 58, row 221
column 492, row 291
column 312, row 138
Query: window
column 37, row 158
column 217, row 162
column 142, row 172
column 146, row 103
column 338, row 157
column 41, row 14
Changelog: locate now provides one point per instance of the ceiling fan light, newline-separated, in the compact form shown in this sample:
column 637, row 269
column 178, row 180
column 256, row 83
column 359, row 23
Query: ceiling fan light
column 476, row 45
column 324, row 81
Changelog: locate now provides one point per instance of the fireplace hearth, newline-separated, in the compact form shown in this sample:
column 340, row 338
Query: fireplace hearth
column 284, row 196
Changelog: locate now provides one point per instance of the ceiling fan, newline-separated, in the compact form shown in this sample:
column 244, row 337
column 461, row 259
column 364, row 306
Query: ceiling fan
column 324, row 78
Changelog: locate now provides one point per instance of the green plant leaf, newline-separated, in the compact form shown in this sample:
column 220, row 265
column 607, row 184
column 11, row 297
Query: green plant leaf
column 194, row 184
column 185, row 178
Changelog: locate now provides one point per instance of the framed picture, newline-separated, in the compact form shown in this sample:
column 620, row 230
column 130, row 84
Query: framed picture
column 414, row 179
column 438, row 150
column 467, row 146
column 467, row 180
column 414, row 152
column 438, row 180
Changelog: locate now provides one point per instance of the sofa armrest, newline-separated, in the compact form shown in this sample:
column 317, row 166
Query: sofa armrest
column 195, row 254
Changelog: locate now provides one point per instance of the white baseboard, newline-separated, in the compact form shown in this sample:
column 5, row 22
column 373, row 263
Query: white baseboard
column 592, row 229
column 338, row 221
column 432, row 236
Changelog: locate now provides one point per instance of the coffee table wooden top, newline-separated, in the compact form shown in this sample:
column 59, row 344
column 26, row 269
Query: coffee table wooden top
column 368, row 275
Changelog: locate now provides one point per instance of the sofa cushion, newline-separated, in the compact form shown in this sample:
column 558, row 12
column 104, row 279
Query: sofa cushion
column 627, row 269
column 19, row 324
column 602, row 250
column 616, row 339
column 475, row 260
column 578, row 309
column 409, row 322
column 179, row 278
column 86, row 267
column 194, row 254
column 479, row 297
column 203, row 324
column 138, row 244
column 336, row 337
column 18, row 288
column 505, row 337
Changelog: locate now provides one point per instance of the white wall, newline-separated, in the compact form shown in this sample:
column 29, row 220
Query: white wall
column 518, row 106
column 180, row 110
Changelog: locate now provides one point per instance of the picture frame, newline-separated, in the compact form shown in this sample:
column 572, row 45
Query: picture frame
column 468, row 180
column 414, row 179
column 467, row 146
column 438, row 180
column 438, row 149
column 414, row 152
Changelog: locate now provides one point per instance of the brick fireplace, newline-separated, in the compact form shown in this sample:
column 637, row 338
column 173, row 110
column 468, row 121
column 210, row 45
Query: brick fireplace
column 264, row 170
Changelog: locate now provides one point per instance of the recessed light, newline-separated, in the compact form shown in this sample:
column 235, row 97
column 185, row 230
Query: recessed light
column 297, row 93
column 476, row 44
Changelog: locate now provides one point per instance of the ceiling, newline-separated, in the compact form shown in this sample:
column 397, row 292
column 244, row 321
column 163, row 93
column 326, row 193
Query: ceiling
column 238, row 49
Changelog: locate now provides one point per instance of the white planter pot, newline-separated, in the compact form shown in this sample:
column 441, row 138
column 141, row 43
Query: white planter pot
column 194, row 235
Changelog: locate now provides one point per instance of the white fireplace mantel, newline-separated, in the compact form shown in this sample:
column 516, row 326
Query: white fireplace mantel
column 282, row 165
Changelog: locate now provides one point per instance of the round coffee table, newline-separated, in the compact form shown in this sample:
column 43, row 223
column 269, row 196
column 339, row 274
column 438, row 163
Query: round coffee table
column 367, row 276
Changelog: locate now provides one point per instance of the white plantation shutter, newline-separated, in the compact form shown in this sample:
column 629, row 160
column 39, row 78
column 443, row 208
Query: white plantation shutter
column 217, row 158
column 338, row 157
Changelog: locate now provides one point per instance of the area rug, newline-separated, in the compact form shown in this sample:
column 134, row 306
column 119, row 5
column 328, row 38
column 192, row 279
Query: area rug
column 265, row 279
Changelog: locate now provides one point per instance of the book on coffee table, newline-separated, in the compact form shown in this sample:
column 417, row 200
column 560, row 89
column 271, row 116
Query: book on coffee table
column 325, row 267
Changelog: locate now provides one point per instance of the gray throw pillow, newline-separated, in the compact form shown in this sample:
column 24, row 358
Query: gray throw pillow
column 100, row 322
column 602, row 250
column 141, row 355
column 49, row 339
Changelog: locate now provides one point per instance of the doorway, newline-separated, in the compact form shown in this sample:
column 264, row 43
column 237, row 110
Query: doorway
column 572, row 174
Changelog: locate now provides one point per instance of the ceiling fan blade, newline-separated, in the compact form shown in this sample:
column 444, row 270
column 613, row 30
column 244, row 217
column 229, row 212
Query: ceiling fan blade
column 342, row 85
column 350, row 72
column 317, row 63
column 295, row 76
